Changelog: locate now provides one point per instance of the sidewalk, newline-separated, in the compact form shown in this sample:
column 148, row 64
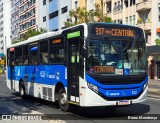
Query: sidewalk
column 154, row 88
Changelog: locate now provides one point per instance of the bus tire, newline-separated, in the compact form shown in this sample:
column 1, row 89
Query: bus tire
column 62, row 100
column 22, row 90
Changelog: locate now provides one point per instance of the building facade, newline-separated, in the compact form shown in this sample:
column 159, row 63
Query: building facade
column 43, row 14
column 15, row 28
column 5, row 26
column 144, row 14
column 131, row 12
column 28, row 14
column 58, row 14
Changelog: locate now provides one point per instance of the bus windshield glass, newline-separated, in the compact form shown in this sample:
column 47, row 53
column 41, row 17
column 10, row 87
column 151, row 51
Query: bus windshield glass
column 116, row 57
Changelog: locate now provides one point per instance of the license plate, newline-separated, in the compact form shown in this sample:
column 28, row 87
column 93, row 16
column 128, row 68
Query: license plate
column 124, row 102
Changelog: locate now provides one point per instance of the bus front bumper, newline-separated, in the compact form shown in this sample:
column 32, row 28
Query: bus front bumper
column 90, row 98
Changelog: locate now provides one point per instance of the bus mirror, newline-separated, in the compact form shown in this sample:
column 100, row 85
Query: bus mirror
column 84, row 52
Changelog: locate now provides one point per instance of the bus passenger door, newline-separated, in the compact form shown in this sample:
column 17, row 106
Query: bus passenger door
column 11, row 65
column 73, row 70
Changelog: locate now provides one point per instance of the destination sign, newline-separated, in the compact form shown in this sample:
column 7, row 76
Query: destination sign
column 116, row 31
column 104, row 69
column 56, row 41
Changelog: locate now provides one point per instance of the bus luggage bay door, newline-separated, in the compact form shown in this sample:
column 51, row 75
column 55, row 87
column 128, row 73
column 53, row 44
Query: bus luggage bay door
column 73, row 70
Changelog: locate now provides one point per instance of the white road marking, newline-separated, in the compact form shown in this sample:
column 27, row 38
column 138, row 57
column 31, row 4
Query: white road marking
column 33, row 112
column 153, row 98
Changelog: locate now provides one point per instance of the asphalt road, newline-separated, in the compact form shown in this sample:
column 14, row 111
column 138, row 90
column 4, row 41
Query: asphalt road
column 11, row 103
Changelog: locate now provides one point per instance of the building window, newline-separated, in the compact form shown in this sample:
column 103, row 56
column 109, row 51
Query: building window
column 44, row 2
column 118, row 6
column 121, row 4
column 134, row 23
column 53, row 15
column 76, row 4
column 130, row 2
column 44, row 18
column 64, row 9
column 134, row 2
column 126, row 20
column 130, row 20
column 126, row 3
column 120, row 21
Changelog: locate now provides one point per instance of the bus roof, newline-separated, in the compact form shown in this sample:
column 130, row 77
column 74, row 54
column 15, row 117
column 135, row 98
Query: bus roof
column 42, row 36
column 54, row 33
column 114, row 24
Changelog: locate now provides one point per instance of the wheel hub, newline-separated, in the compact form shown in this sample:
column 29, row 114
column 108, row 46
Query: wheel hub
column 63, row 99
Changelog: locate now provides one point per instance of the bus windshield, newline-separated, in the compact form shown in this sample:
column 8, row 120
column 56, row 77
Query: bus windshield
column 122, row 57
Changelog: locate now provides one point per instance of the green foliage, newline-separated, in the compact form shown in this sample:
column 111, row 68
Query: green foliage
column 107, row 19
column 139, row 20
column 157, row 41
column 16, row 41
column 81, row 15
column 29, row 33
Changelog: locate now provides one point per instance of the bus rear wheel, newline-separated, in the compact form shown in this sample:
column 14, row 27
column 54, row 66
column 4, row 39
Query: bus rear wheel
column 22, row 90
column 62, row 100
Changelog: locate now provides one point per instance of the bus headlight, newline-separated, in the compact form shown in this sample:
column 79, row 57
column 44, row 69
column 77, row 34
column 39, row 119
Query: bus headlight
column 93, row 87
column 145, row 85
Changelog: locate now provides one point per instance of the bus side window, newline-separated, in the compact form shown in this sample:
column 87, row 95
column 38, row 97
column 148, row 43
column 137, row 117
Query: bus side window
column 18, row 56
column 44, row 52
column 56, row 51
column 25, row 54
column 33, row 55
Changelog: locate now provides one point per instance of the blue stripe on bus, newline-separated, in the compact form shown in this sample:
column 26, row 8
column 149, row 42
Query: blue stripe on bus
column 43, row 74
column 120, row 93
column 93, row 81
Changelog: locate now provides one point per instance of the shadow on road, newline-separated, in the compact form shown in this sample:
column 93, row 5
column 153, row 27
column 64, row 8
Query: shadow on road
column 37, row 101
column 111, row 112
column 15, row 105
column 94, row 112
column 31, row 103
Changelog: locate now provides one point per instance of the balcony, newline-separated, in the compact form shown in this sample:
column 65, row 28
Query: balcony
column 145, row 26
column 143, row 5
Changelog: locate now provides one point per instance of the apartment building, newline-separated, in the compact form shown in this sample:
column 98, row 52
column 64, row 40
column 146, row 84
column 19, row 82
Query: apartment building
column 15, row 28
column 141, row 13
column 146, row 15
column 58, row 13
column 5, row 29
column 43, row 17
column 28, row 14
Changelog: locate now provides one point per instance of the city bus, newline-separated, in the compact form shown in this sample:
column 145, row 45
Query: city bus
column 90, row 64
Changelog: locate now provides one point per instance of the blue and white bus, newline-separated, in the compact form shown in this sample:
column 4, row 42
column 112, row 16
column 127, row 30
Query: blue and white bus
column 94, row 64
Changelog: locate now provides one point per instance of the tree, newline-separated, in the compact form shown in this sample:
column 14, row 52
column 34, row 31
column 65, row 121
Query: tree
column 29, row 33
column 81, row 15
column 157, row 41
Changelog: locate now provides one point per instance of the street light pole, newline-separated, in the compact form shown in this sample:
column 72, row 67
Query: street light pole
column 144, row 21
column 102, row 7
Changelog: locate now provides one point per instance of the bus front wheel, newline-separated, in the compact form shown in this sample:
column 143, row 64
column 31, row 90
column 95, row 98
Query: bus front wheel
column 63, row 104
